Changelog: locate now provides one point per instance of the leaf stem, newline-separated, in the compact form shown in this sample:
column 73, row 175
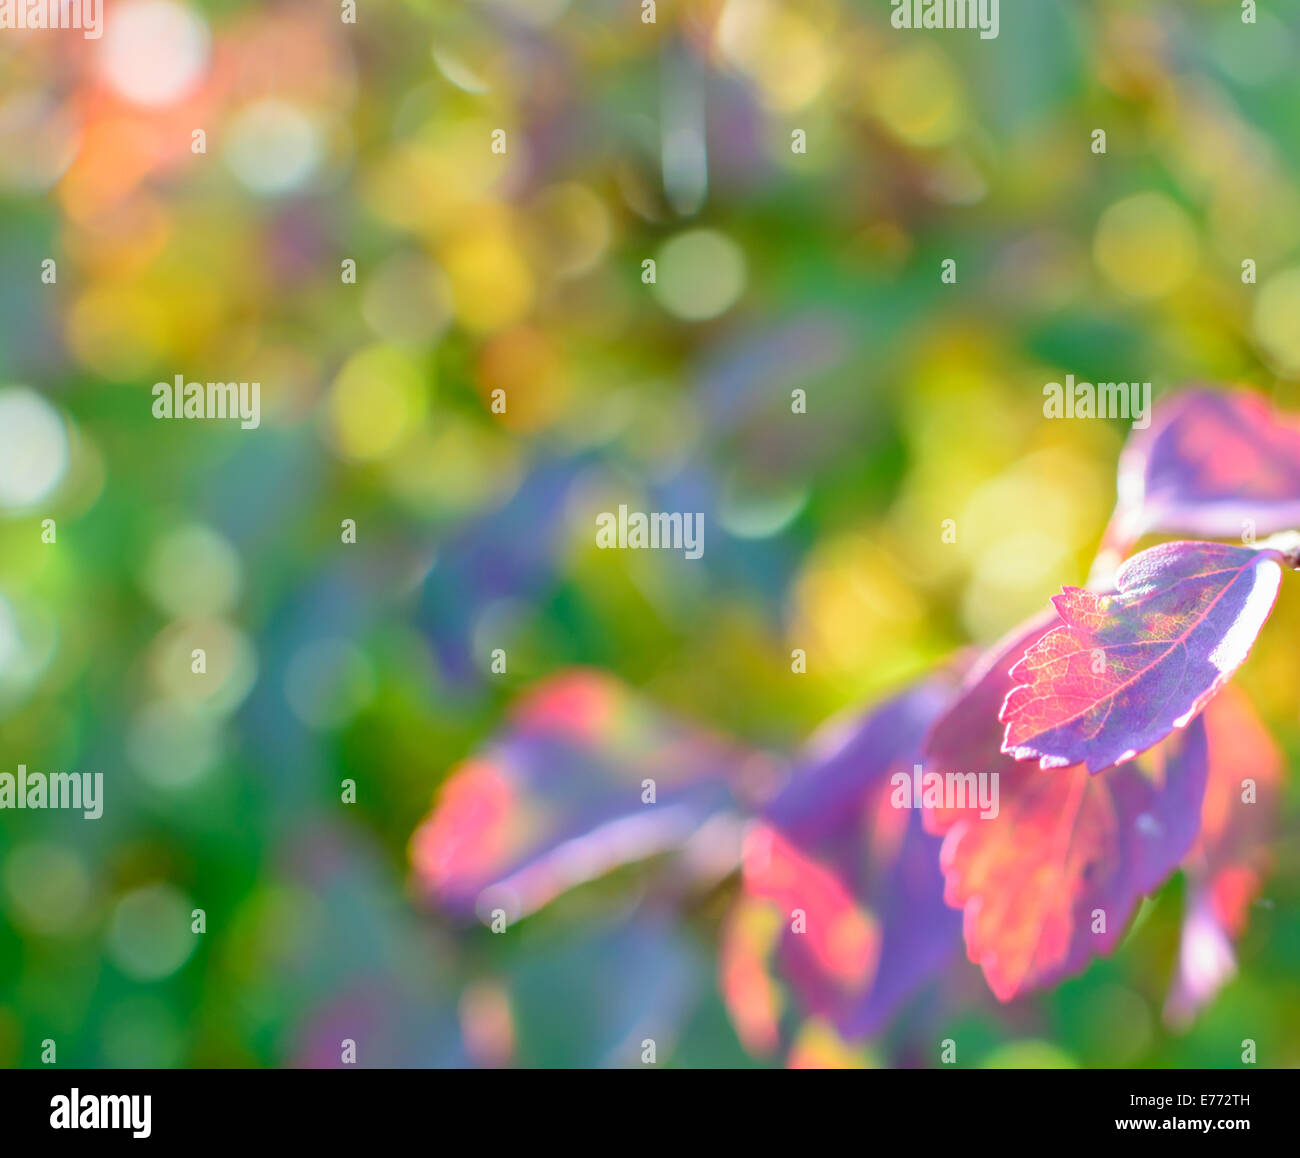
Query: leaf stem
column 1286, row 544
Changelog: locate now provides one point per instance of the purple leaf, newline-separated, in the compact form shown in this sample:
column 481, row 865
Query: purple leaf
column 1125, row 669
column 1213, row 463
column 1226, row 868
column 560, row 799
column 864, row 876
column 1062, row 845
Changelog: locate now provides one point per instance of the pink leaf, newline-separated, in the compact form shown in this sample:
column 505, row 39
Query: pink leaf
column 1211, row 463
column 1227, row 865
column 1125, row 669
column 841, row 907
column 1052, row 880
column 558, row 798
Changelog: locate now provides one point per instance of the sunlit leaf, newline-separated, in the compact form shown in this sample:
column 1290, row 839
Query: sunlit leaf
column 1051, row 880
column 1126, row 669
column 1226, row 867
column 1212, row 463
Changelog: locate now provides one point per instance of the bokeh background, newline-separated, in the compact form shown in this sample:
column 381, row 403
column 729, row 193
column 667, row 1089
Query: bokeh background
column 522, row 272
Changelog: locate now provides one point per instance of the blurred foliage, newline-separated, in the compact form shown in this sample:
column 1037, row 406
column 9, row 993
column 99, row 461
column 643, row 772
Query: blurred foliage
column 477, row 272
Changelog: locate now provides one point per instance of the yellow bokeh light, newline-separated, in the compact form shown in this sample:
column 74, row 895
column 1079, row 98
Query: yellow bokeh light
column 117, row 331
column 431, row 183
column 783, row 52
column 458, row 467
column 918, row 95
column 491, row 282
column 1276, row 322
column 1146, row 245
column 818, row 1046
column 853, row 604
column 378, row 396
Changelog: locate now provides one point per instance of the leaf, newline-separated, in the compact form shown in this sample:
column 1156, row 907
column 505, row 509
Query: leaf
column 1211, row 463
column 1064, row 846
column 1126, row 669
column 1232, row 850
column 557, row 800
column 864, row 876
column 1226, row 867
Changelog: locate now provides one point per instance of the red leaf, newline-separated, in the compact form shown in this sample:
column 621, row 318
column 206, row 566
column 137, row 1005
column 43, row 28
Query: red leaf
column 1124, row 670
column 1212, row 462
column 1226, row 867
column 557, row 799
column 841, row 908
column 1052, row 880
